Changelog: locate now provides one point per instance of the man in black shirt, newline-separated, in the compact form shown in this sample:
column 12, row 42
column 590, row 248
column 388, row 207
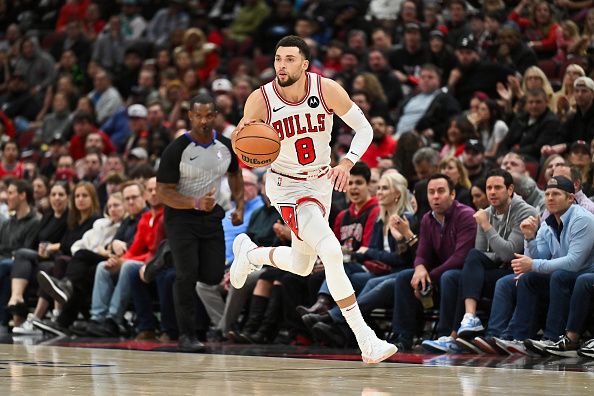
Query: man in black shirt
column 188, row 183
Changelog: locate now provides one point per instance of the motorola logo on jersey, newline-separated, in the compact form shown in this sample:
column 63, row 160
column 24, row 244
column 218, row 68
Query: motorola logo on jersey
column 299, row 124
column 313, row 102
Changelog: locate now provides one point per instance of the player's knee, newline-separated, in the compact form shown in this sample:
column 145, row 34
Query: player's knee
column 329, row 250
column 303, row 267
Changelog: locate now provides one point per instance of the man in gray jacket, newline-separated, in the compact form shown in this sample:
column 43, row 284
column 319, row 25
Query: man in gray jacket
column 498, row 238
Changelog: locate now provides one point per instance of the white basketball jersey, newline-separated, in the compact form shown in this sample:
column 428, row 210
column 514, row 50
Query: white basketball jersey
column 304, row 127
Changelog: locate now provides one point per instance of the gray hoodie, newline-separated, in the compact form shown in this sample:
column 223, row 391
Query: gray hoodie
column 504, row 238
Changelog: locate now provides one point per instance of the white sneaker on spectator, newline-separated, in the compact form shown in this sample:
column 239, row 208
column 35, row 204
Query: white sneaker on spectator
column 241, row 267
column 470, row 326
column 538, row 346
column 374, row 350
column 468, row 346
column 513, row 347
column 27, row 327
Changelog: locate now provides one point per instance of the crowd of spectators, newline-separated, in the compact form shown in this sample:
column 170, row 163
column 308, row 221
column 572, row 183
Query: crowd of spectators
column 497, row 95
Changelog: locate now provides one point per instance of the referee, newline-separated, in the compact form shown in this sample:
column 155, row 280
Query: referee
column 188, row 182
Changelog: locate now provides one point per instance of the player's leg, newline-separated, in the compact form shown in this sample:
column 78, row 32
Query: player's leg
column 316, row 232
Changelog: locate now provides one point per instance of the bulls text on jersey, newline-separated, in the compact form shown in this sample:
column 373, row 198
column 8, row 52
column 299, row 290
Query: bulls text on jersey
column 299, row 124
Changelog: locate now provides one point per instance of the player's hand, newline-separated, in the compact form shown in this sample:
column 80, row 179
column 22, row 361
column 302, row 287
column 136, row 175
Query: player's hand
column 340, row 174
column 242, row 124
column 237, row 217
column 207, row 202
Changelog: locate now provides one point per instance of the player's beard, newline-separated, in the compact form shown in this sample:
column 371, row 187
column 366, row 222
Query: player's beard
column 290, row 81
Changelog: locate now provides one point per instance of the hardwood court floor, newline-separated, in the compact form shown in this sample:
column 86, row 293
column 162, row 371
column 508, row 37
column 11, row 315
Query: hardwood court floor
column 55, row 370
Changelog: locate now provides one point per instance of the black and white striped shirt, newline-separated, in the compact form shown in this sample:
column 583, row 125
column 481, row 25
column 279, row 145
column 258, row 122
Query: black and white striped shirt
column 196, row 168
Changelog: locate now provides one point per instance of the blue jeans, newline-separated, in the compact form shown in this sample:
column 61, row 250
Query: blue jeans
column 581, row 299
column 504, row 302
column 406, row 306
column 378, row 292
column 560, row 291
column 5, row 287
column 145, row 318
column 451, row 306
column 479, row 275
column 111, row 293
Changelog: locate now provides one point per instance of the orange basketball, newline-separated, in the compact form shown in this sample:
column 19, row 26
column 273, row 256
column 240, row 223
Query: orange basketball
column 257, row 145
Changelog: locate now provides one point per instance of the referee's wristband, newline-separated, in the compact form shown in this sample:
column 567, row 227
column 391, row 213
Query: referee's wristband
column 197, row 203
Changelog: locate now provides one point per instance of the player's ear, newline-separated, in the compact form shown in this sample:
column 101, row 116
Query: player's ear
column 305, row 65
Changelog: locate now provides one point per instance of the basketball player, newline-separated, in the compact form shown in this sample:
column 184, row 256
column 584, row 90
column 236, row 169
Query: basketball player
column 188, row 183
column 300, row 106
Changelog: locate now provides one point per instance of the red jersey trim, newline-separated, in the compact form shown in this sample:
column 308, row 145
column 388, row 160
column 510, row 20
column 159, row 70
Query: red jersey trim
column 268, row 112
column 328, row 110
column 285, row 101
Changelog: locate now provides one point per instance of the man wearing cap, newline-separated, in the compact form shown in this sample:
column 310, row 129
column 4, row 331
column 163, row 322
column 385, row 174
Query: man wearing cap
column 473, row 75
column 558, row 248
column 408, row 59
column 474, row 160
column 441, row 54
column 137, row 114
column 572, row 173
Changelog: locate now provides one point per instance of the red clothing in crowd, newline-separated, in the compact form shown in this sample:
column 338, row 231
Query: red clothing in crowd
column 77, row 145
column 376, row 151
column 72, row 11
column 549, row 43
column 9, row 129
column 17, row 171
column 370, row 206
column 143, row 246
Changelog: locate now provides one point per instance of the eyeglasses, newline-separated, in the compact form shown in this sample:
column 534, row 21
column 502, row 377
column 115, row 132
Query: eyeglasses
column 131, row 197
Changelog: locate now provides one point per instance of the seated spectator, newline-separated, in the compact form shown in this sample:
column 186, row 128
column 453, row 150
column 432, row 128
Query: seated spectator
column 447, row 235
column 82, row 125
column 382, row 146
column 111, row 296
column 41, row 189
column 563, row 101
column 428, row 112
column 106, row 98
column 368, row 83
column 533, row 129
column 108, row 49
column 572, row 173
column 474, row 160
column 582, row 295
column 440, row 54
column 527, row 188
column 27, row 262
column 56, row 123
column 558, row 251
column 580, row 157
column 513, row 52
column 378, row 65
column 552, row 162
column 426, row 163
column 498, row 238
column 490, row 126
column 460, row 131
column 540, row 29
column 166, row 21
column 453, row 168
column 478, row 192
column 10, row 165
column 408, row 59
column 18, row 231
column 473, row 74
column 35, row 66
column 580, row 125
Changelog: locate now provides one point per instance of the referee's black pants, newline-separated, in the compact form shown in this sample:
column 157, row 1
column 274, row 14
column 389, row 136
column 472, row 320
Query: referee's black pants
column 198, row 249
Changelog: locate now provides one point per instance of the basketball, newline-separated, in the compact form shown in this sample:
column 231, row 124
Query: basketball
column 257, row 145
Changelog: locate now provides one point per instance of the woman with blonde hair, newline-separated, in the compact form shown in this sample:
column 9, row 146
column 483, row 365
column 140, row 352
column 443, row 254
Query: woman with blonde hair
column 455, row 170
column 563, row 100
column 534, row 77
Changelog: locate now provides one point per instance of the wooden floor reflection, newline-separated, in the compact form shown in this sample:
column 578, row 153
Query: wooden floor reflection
column 52, row 370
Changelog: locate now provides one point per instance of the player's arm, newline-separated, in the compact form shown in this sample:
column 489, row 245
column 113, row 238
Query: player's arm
column 255, row 110
column 339, row 101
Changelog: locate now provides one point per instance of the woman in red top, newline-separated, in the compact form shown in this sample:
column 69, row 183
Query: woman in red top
column 10, row 164
column 540, row 28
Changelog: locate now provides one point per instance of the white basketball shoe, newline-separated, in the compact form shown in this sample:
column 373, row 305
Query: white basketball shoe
column 241, row 266
column 373, row 349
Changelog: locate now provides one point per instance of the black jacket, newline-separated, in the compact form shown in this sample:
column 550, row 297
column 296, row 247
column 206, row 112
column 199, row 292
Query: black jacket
column 528, row 139
column 579, row 126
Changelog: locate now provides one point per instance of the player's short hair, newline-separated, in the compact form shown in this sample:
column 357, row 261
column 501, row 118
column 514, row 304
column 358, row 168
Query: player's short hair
column 361, row 169
column 295, row 41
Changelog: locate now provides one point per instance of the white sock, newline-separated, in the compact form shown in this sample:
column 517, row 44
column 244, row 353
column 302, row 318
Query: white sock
column 468, row 316
column 352, row 315
column 261, row 256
